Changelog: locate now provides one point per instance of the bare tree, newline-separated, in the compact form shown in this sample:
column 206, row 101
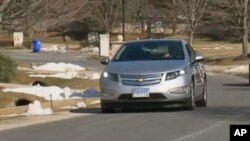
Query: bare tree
column 40, row 15
column 171, row 10
column 16, row 15
column 142, row 6
column 3, row 5
column 193, row 11
column 107, row 13
column 60, row 12
column 240, row 10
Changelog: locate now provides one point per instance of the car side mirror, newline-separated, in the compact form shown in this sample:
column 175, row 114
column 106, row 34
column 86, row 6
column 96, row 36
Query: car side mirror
column 105, row 61
column 199, row 58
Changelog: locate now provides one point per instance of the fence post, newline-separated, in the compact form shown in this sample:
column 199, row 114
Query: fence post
column 51, row 102
column 249, row 73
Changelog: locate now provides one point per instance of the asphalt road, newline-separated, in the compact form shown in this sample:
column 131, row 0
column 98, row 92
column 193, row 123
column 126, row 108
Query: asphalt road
column 27, row 57
column 229, row 103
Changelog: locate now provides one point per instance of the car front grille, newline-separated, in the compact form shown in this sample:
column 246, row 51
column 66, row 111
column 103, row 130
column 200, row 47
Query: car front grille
column 141, row 80
column 153, row 96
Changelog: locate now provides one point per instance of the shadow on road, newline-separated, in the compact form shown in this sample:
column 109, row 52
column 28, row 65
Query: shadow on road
column 237, row 85
column 128, row 111
column 230, row 113
column 87, row 111
column 224, row 112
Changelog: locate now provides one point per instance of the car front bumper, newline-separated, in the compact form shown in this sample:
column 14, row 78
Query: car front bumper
column 115, row 94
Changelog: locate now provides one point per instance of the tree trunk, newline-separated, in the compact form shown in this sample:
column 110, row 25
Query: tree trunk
column 174, row 26
column 142, row 27
column 191, row 36
column 245, row 31
column 1, row 17
column 245, row 44
column 45, row 32
column 149, row 29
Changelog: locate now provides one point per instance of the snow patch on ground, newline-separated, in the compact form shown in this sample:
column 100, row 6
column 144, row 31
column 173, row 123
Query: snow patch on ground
column 218, row 48
column 54, row 92
column 95, row 76
column 206, row 48
column 92, row 92
column 81, row 105
column 59, row 67
column 77, row 106
column 37, row 109
column 90, row 50
column 238, row 69
column 63, row 75
column 64, row 71
column 46, row 92
column 95, row 102
column 54, row 48
column 69, row 75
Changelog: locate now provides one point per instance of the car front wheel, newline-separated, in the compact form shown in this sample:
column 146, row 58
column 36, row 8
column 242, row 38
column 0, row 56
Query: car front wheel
column 106, row 109
column 203, row 101
column 191, row 102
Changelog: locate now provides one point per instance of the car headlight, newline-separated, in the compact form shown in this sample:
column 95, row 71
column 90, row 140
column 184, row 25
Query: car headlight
column 180, row 90
column 173, row 75
column 110, row 76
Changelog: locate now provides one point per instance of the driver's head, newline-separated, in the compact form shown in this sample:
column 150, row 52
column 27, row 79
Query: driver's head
column 173, row 51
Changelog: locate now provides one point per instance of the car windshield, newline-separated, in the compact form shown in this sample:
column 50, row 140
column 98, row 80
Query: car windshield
column 142, row 51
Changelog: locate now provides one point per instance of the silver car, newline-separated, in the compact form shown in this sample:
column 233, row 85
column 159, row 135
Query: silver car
column 154, row 73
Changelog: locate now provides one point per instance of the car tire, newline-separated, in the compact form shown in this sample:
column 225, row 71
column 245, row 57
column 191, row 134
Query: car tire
column 191, row 102
column 105, row 109
column 203, row 101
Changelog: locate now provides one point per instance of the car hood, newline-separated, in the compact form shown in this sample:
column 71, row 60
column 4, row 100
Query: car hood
column 144, row 67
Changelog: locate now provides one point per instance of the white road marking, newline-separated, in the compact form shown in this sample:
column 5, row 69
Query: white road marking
column 195, row 134
column 198, row 133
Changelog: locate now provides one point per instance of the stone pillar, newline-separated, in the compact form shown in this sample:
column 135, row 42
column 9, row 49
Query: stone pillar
column 116, row 45
column 18, row 39
column 104, row 45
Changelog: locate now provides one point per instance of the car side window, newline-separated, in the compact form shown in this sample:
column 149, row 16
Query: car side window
column 191, row 52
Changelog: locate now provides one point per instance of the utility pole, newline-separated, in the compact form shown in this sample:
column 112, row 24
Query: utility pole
column 123, row 20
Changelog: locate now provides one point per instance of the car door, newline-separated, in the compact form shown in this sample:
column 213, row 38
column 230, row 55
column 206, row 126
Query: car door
column 197, row 71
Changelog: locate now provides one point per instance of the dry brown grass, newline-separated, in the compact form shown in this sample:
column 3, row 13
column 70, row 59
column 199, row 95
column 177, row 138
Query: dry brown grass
column 222, row 54
column 6, row 40
column 56, row 106
column 23, row 78
column 221, row 50
column 217, row 52
column 9, row 99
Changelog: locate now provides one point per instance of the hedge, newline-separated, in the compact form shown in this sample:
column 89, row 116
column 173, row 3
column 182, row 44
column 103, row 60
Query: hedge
column 8, row 68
